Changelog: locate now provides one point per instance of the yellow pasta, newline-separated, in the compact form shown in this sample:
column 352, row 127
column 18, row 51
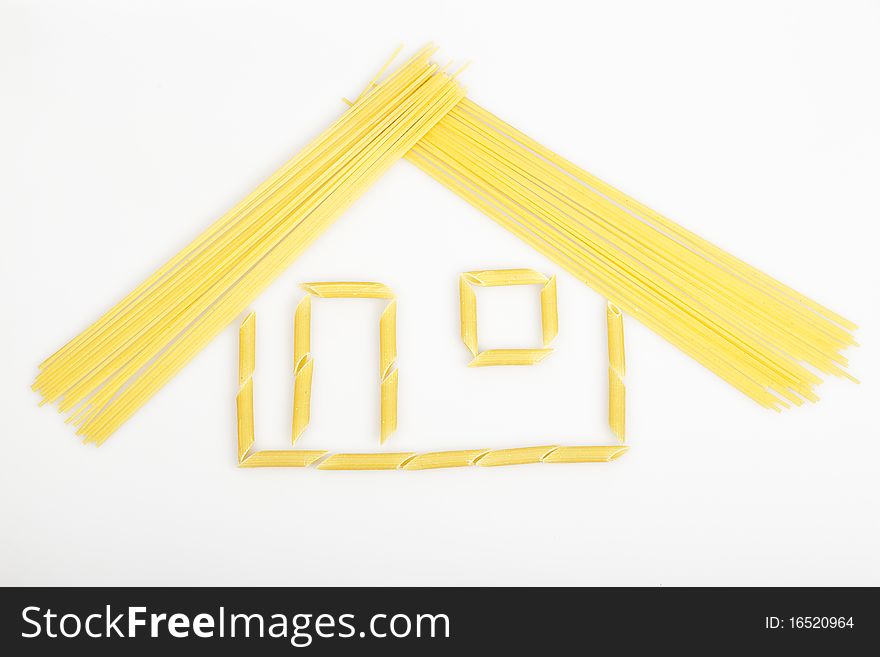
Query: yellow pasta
column 616, row 352
column 372, row 83
column 244, row 404
column 499, row 277
column 616, row 373
column 348, row 290
column 388, row 339
column 388, row 406
column 388, row 376
column 549, row 312
column 302, row 367
column 247, row 344
column 382, row 460
column 616, row 405
column 757, row 334
column 492, row 357
column 282, row 458
column 451, row 459
column 302, row 331
column 244, row 400
column 379, row 461
column 108, row 372
column 302, row 397
column 585, row 454
column 247, row 341
column 388, row 370
column 515, row 456
column 468, row 302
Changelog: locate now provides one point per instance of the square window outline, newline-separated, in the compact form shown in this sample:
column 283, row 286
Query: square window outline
column 499, row 278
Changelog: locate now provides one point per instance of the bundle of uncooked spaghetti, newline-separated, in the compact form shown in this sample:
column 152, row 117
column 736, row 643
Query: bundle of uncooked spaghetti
column 109, row 371
column 756, row 333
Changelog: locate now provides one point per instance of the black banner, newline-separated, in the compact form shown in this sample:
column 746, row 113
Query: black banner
column 435, row 621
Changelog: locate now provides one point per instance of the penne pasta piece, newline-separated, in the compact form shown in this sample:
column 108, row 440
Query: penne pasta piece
column 244, row 400
column 246, row 348
column 492, row 357
column 451, row 459
column 302, row 397
column 468, row 302
column 244, row 405
column 282, row 458
column 388, row 339
column 498, row 277
column 616, row 373
column 616, row 405
column 388, row 371
column 585, row 454
column 388, row 406
column 349, row 290
column 302, row 331
column 516, row 456
column 380, row 461
column 549, row 312
column 616, row 352
column 303, row 366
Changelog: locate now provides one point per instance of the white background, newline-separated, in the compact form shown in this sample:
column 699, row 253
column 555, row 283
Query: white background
column 128, row 127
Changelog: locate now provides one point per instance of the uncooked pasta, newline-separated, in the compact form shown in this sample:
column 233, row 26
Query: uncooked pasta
column 304, row 363
column 585, row 454
column 388, row 370
column 296, row 458
column 499, row 277
column 302, row 396
column 283, row 458
column 549, row 312
column 616, row 372
column 515, row 456
column 492, row 357
column 480, row 457
column 108, row 372
column 247, row 458
column 496, row 278
column 759, row 335
column 349, row 290
column 451, row 459
column 367, row 461
column 468, row 303
column 244, row 400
